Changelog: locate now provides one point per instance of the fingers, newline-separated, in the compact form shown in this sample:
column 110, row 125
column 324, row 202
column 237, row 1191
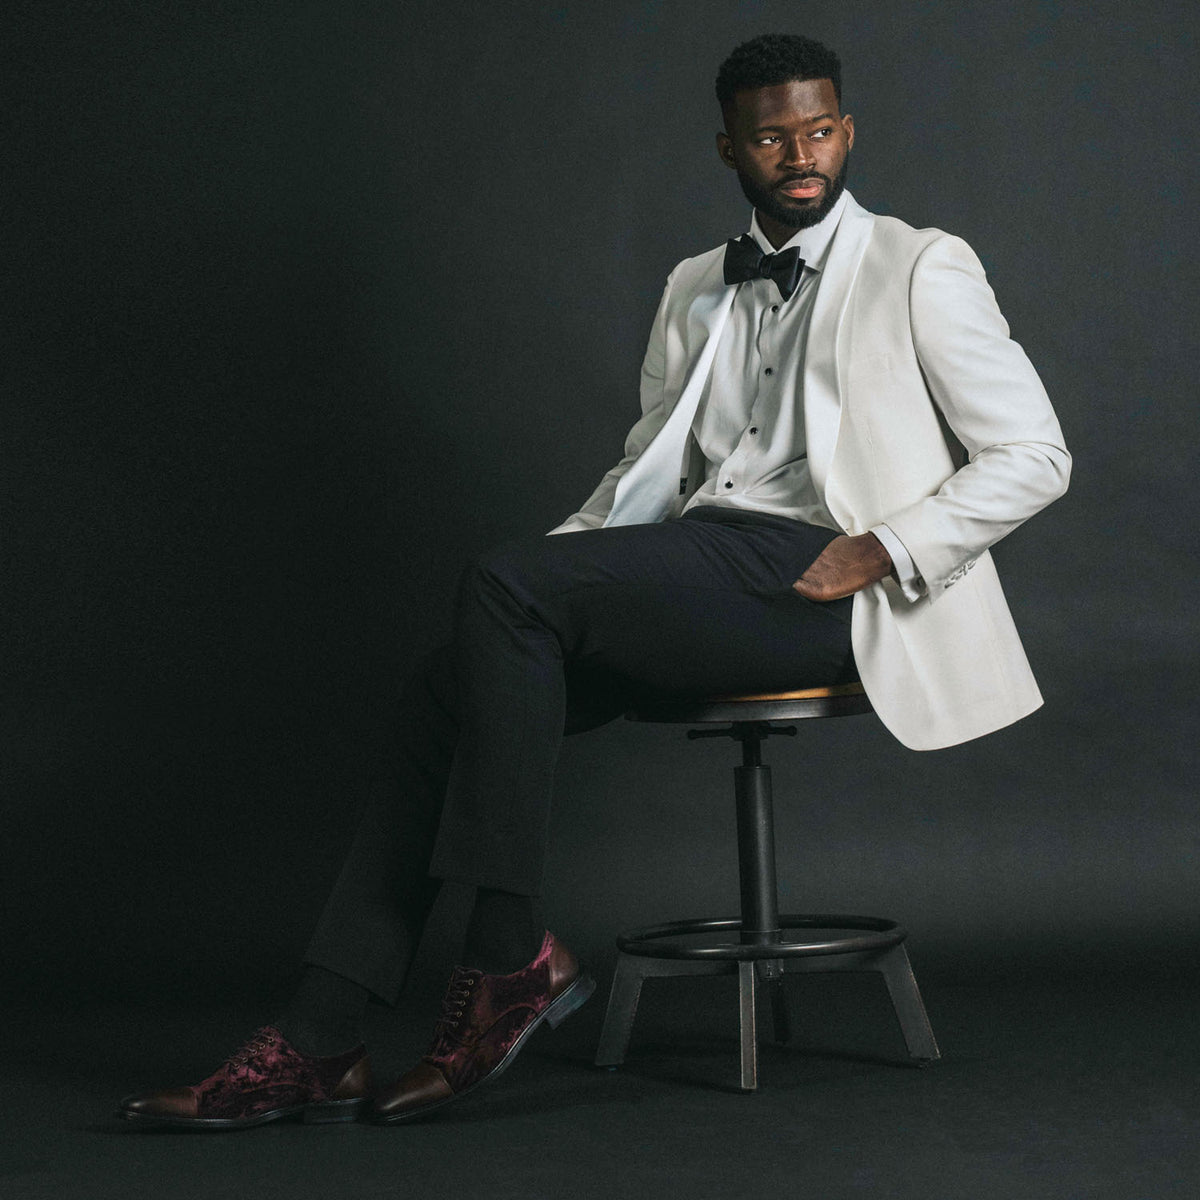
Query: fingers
column 845, row 566
column 824, row 580
column 823, row 591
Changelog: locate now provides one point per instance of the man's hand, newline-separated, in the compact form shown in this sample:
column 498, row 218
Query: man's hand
column 845, row 566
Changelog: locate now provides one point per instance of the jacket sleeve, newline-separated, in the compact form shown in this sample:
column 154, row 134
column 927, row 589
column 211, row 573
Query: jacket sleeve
column 993, row 401
column 597, row 506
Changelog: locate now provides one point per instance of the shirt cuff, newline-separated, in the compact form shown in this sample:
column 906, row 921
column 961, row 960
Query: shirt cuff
column 912, row 586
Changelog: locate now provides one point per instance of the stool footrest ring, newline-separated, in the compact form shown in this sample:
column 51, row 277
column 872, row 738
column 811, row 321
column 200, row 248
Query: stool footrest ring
column 863, row 933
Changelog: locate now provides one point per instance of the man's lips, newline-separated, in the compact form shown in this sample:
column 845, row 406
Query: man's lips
column 802, row 189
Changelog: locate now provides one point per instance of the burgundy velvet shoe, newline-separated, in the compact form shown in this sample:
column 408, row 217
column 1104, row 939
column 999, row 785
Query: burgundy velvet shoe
column 485, row 1021
column 267, row 1079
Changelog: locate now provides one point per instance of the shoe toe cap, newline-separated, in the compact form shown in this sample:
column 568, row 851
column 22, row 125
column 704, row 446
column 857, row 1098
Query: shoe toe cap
column 171, row 1102
column 422, row 1087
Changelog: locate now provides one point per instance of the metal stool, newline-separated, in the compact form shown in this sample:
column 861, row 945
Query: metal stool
column 854, row 944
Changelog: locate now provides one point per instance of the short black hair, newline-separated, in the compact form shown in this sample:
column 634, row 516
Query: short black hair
column 776, row 58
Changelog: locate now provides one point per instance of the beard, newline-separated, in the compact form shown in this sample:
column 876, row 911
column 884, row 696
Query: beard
column 771, row 205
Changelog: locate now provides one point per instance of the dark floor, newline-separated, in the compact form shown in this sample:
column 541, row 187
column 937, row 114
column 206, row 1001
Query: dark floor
column 1061, row 1090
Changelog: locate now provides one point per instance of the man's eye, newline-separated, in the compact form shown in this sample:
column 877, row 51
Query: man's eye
column 768, row 140
column 822, row 133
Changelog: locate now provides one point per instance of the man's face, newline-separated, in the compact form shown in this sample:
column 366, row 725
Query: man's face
column 789, row 145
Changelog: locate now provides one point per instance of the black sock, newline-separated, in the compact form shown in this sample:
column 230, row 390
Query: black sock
column 325, row 1015
column 502, row 934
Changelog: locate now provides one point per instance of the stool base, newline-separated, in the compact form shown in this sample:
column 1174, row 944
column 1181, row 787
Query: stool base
column 874, row 945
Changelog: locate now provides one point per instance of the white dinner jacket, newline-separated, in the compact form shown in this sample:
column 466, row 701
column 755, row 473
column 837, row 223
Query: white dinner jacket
column 908, row 364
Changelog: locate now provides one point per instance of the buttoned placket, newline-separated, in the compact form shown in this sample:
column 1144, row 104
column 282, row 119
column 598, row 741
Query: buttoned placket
column 766, row 381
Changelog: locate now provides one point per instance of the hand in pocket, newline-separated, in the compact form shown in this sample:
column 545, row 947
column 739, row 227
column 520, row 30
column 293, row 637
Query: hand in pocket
column 845, row 566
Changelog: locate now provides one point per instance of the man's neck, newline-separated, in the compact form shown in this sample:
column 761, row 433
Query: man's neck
column 777, row 233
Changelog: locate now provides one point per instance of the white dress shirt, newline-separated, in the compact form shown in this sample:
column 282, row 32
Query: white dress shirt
column 750, row 421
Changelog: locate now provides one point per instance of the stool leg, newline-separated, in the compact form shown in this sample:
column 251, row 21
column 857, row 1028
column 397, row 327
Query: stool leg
column 746, row 976
column 622, row 1007
column 770, row 972
column 779, row 1011
column 910, row 1009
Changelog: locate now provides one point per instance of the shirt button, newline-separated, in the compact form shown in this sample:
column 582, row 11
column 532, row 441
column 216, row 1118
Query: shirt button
column 774, row 307
column 729, row 483
column 753, row 428
column 769, row 371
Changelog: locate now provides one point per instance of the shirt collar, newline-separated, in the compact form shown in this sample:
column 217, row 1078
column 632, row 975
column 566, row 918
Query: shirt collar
column 812, row 242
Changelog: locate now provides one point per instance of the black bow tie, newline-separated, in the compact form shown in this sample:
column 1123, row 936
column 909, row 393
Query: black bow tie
column 744, row 260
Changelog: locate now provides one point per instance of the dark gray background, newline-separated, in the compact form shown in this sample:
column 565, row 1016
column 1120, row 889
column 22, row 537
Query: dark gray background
column 309, row 302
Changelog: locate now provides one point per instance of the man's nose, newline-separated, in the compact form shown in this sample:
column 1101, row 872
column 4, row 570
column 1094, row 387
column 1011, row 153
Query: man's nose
column 797, row 152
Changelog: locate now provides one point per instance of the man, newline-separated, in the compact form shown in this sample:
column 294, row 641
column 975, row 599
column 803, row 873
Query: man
column 835, row 427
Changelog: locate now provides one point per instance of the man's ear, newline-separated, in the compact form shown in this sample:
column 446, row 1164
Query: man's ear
column 725, row 150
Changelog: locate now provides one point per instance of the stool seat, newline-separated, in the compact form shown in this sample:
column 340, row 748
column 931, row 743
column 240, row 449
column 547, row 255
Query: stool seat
column 812, row 693
column 847, row 943
column 835, row 700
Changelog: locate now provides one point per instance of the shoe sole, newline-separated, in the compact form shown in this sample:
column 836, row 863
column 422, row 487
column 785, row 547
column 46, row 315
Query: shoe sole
column 326, row 1112
column 554, row 1014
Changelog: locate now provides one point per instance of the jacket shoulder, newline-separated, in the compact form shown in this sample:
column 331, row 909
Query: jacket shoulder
column 694, row 272
column 900, row 240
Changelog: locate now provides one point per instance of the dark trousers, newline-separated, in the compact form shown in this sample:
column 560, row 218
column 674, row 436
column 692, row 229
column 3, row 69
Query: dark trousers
column 556, row 635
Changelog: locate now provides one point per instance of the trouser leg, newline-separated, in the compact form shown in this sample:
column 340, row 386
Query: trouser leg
column 692, row 605
column 373, row 920
column 372, row 923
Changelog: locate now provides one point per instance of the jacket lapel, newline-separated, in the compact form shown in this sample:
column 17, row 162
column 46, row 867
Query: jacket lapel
column 822, row 365
column 647, row 490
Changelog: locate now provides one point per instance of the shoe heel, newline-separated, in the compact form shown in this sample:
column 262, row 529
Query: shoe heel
column 331, row 1112
column 574, row 998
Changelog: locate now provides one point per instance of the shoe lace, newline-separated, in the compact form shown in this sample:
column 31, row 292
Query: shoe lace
column 256, row 1045
column 454, row 1003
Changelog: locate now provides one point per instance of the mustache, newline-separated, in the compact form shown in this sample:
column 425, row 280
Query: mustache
column 801, row 178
